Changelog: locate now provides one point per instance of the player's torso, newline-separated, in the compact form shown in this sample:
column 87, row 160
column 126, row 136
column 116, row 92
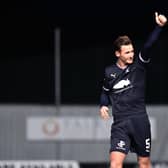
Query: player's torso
column 127, row 89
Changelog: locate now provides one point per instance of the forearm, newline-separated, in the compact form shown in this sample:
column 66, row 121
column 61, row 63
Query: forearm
column 145, row 52
column 153, row 37
column 104, row 100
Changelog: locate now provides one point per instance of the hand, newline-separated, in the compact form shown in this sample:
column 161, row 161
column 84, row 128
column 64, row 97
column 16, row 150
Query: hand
column 161, row 20
column 104, row 112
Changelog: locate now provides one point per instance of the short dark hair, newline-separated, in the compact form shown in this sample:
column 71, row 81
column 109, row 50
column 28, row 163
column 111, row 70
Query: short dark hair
column 121, row 40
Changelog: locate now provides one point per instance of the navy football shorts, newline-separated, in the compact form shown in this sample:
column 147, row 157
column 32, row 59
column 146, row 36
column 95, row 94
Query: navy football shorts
column 132, row 134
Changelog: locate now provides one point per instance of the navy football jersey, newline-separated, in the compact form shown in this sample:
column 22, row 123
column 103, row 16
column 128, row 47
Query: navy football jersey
column 124, row 88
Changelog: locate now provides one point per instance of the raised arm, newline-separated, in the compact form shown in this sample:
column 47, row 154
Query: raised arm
column 161, row 21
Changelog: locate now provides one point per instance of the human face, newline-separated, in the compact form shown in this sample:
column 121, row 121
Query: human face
column 125, row 55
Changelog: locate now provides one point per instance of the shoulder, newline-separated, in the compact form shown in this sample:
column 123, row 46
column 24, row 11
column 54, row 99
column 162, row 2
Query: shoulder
column 110, row 68
column 111, row 71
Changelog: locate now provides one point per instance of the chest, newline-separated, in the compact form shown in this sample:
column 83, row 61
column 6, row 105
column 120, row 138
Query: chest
column 122, row 79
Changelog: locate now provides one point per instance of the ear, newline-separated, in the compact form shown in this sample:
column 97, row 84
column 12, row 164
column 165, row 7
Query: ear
column 117, row 53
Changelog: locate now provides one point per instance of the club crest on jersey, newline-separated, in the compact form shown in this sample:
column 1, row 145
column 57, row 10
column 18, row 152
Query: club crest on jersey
column 127, row 70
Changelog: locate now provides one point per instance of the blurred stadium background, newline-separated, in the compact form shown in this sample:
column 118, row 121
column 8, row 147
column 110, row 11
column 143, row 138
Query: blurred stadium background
column 50, row 82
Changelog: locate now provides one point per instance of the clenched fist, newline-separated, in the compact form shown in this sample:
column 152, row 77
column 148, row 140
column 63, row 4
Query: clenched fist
column 161, row 20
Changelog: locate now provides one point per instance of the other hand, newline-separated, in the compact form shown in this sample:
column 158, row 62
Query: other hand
column 104, row 112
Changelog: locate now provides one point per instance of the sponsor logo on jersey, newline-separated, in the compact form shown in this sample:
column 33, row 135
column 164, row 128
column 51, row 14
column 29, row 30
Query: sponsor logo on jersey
column 121, row 84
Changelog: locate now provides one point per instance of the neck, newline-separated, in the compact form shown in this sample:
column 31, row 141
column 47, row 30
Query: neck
column 121, row 64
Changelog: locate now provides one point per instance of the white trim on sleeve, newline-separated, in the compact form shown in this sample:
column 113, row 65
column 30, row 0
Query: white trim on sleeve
column 145, row 61
column 105, row 89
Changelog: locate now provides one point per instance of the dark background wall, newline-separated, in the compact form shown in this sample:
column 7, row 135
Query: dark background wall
column 87, row 32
